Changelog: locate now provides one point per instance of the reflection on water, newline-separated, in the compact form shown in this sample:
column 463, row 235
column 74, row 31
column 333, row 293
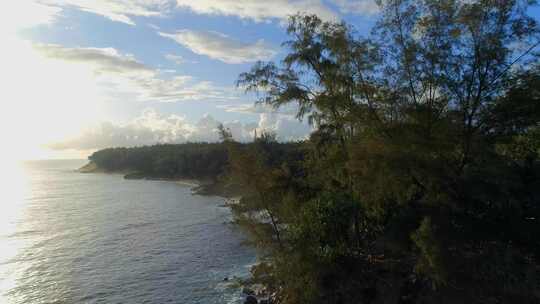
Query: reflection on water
column 15, row 187
column 67, row 237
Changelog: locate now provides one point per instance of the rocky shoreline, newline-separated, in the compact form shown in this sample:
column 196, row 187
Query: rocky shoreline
column 252, row 292
column 198, row 187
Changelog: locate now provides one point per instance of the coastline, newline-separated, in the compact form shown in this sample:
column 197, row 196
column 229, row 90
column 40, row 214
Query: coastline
column 248, row 287
column 188, row 182
column 199, row 187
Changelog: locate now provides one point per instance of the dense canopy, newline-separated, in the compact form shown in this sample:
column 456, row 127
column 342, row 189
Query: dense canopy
column 421, row 183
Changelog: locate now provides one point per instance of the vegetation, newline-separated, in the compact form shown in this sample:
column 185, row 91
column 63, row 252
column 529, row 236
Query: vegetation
column 421, row 183
column 193, row 160
column 206, row 162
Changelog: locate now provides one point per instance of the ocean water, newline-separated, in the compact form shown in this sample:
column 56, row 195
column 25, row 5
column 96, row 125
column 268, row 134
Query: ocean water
column 67, row 237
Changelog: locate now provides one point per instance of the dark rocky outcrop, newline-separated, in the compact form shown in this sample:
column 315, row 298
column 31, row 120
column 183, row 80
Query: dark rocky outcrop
column 251, row 300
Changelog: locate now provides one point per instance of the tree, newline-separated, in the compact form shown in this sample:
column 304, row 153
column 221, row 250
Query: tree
column 421, row 180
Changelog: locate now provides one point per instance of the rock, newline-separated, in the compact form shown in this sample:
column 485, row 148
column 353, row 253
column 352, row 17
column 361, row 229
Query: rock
column 251, row 300
column 259, row 290
column 135, row 175
column 248, row 291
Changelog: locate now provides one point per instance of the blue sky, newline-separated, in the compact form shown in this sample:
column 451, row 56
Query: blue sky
column 117, row 72
column 75, row 29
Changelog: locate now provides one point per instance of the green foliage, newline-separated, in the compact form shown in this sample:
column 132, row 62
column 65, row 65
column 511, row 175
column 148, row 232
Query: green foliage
column 430, row 262
column 324, row 225
column 422, row 181
column 191, row 160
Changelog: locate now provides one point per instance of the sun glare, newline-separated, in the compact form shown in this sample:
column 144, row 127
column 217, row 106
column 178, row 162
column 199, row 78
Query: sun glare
column 12, row 210
column 43, row 100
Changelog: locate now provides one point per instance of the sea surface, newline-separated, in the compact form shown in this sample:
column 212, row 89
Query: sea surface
column 68, row 237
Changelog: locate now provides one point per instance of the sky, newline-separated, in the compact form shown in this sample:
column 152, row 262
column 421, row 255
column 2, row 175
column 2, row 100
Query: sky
column 81, row 75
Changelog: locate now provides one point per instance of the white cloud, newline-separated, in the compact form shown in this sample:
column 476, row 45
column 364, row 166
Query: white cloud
column 52, row 92
column 360, row 7
column 26, row 13
column 122, row 76
column 259, row 10
column 149, row 128
column 258, row 108
column 22, row 14
column 43, row 99
column 285, row 127
column 152, row 127
column 103, row 60
column 153, row 26
column 119, row 10
column 221, row 47
column 176, row 59
column 281, row 121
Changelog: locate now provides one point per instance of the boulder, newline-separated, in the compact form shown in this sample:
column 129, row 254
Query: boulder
column 251, row 300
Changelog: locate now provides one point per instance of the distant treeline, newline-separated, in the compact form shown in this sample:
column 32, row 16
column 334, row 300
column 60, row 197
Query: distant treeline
column 203, row 161
column 191, row 160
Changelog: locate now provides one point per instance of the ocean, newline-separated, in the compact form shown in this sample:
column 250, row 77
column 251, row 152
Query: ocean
column 68, row 237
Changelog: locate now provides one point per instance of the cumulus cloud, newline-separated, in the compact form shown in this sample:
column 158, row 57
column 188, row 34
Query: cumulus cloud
column 122, row 76
column 361, row 7
column 152, row 128
column 282, row 121
column 286, row 127
column 221, row 47
column 149, row 128
column 118, row 10
column 259, row 10
column 258, row 108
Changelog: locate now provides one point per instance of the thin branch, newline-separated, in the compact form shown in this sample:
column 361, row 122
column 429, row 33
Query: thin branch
column 511, row 64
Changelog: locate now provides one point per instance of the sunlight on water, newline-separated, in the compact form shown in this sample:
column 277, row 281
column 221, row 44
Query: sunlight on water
column 15, row 189
column 67, row 237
